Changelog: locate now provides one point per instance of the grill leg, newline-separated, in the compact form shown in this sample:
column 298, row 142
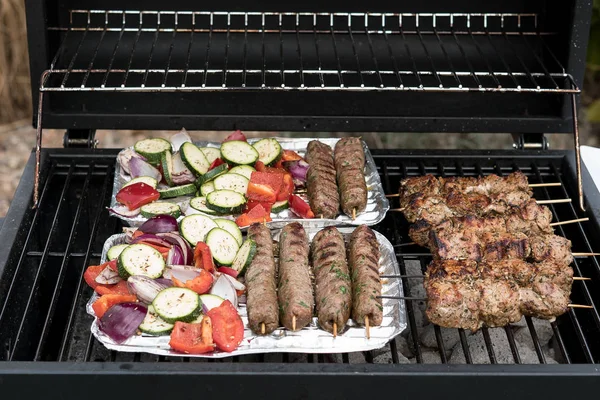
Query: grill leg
column 80, row 138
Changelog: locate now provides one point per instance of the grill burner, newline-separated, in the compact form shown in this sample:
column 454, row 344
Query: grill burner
column 43, row 297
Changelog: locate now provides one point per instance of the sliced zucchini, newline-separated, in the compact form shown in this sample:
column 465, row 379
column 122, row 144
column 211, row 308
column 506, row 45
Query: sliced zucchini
column 155, row 325
column 211, row 153
column 159, row 208
column 194, row 159
column 114, row 251
column 177, row 304
column 148, row 180
column 223, row 245
column 213, row 173
column 194, row 228
column 199, row 203
column 231, row 227
column 238, row 152
column 166, row 161
column 140, row 259
column 230, row 181
column 244, row 256
column 279, row 206
column 226, row 201
column 184, row 190
column 244, row 170
column 152, row 149
column 206, row 188
column 269, row 150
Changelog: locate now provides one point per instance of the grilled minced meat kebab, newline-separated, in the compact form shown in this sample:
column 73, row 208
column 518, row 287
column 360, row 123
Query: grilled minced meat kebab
column 349, row 159
column 295, row 285
column 466, row 294
column 261, row 286
column 332, row 280
column 321, row 183
column 363, row 254
column 530, row 218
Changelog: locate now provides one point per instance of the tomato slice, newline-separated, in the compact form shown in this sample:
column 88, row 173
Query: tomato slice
column 202, row 283
column 290, row 155
column 237, row 135
column 228, row 328
column 192, row 338
column 136, row 195
column 203, row 257
column 300, row 207
column 287, row 188
column 261, row 192
column 106, row 301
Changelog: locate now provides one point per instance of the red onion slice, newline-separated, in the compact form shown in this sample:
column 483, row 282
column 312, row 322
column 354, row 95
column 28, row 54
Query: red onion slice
column 123, row 211
column 121, row 321
column 183, row 273
column 175, row 256
column 145, row 288
column 124, row 158
column 108, row 276
column 297, row 168
column 178, row 139
column 139, row 167
column 159, row 224
column 152, row 239
column 174, row 238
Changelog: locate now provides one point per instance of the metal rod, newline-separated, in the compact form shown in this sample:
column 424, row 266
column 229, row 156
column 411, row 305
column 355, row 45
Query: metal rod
column 171, row 46
column 373, row 57
column 447, row 58
column 137, row 38
column 72, row 63
column 317, row 51
column 207, row 58
column 299, row 50
column 394, row 63
column 508, row 69
column 282, row 74
column 464, row 54
column 335, row 52
column 264, row 60
column 512, row 47
column 577, row 153
column 189, row 54
column 358, row 69
column 224, row 80
column 428, row 55
column 245, row 50
column 539, row 60
column 150, row 56
column 114, row 53
column 91, row 64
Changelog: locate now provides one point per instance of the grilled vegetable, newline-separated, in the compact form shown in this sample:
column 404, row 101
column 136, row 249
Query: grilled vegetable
column 160, row 208
column 177, row 191
column 228, row 328
column 177, row 304
column 195, row 227
column 192, row 338
column 223, row 245
column 114, row 251
column 226, row 201
column 206, row 188
column 152, row 149
column 244, row 170
column 148, row 180
column 244, row 256
column 145, row 288
column 155, row 325
column 211, row 154
column 140, row 259
column 194, row 159
column 213, row 173
column 199, row 203
column 106, row 301
column 237, row 152
column 136, row 195
column 279, row 206
column 231, row 181
column 122, row 320
column 159, row 224
column 166, row 162
column 210, row 301
column 269, row 151
column 231, row 227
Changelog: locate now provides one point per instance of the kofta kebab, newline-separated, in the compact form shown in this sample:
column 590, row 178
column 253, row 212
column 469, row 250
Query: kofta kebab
column 495, row 255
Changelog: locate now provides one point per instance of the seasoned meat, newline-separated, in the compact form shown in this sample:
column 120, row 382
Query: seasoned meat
column 364, row 256
column 321, row 181
column 295, row 285
column 261, row 287
column 551, row 247
column 332, row 280
column 349, row 159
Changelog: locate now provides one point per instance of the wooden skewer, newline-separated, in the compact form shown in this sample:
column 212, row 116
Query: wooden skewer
column 397, row 209
column 585, row 254
column 579, row 306
column 263, row 329
column 354, row 213
column 575, row 278
column 393, row 195
column 571, row 221
column 294, row 323
column 264, row 221
column 555, row 201
column 534, row 185
column 335, row 329
column 581, row 278
column 404, row 244
column 367, row 328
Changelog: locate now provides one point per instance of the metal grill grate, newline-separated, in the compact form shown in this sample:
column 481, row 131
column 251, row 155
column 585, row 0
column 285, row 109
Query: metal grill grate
column 148, row 51
column 43, row 296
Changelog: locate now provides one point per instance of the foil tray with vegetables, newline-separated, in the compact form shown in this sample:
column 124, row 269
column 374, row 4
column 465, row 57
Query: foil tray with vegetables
column 244, row 180
column 155, row 292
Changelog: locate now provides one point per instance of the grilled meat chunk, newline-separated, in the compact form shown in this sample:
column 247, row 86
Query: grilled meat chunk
column 366, row 286
column 349, row 159
column 260, row 283
column 332, row 280
column 321, row 182
column 295, row 285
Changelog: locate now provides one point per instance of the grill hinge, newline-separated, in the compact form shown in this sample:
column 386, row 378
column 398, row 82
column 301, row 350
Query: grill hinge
column 529, row 141
column 80, row 138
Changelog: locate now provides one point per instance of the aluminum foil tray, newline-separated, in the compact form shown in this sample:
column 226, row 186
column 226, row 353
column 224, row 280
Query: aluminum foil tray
column 308, row 340
column 377, row 203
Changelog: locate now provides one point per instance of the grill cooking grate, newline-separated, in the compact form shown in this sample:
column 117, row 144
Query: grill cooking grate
column 147, row 51
column 43, row 296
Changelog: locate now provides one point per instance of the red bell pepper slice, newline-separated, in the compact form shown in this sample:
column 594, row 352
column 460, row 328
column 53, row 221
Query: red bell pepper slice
column 136, row 195
column 275, row 181
column 93, row 271
column 300, row 207
column 276, row 169
column 237, row 135
column 200, row 284
column 192, row 338
column 106, row 301
column 261, row 192
column 257, row 214
column 118, row 288
column 253, row 203
column 228, row 328
column 216, row 163
column 228, row 271
column 113, row 265
column 203, row 257
column 287, row 188
column 290, row 155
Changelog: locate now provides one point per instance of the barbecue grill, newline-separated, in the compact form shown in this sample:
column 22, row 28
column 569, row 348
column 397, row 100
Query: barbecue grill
column 508, row 66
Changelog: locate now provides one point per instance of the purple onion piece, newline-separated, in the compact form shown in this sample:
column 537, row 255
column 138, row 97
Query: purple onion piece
column 174, row 238
column 183, row 273
column 159, row 224
column 108, row 276
column 178, row 139
column 123, row 211
column 152, row 239
column 125, row 156
column 121, row 321
column 297, row 168
column 140, row 167
column 165, row 282
column 145, row 288
column 175, row 256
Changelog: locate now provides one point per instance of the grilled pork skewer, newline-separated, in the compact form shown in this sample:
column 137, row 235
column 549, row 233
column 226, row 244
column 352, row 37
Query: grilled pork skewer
column 321, row 183
column 349, row 159
column 466, row 294
column 363, row 254
column 332, row 280
column 295, row 286
column 263, row 316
